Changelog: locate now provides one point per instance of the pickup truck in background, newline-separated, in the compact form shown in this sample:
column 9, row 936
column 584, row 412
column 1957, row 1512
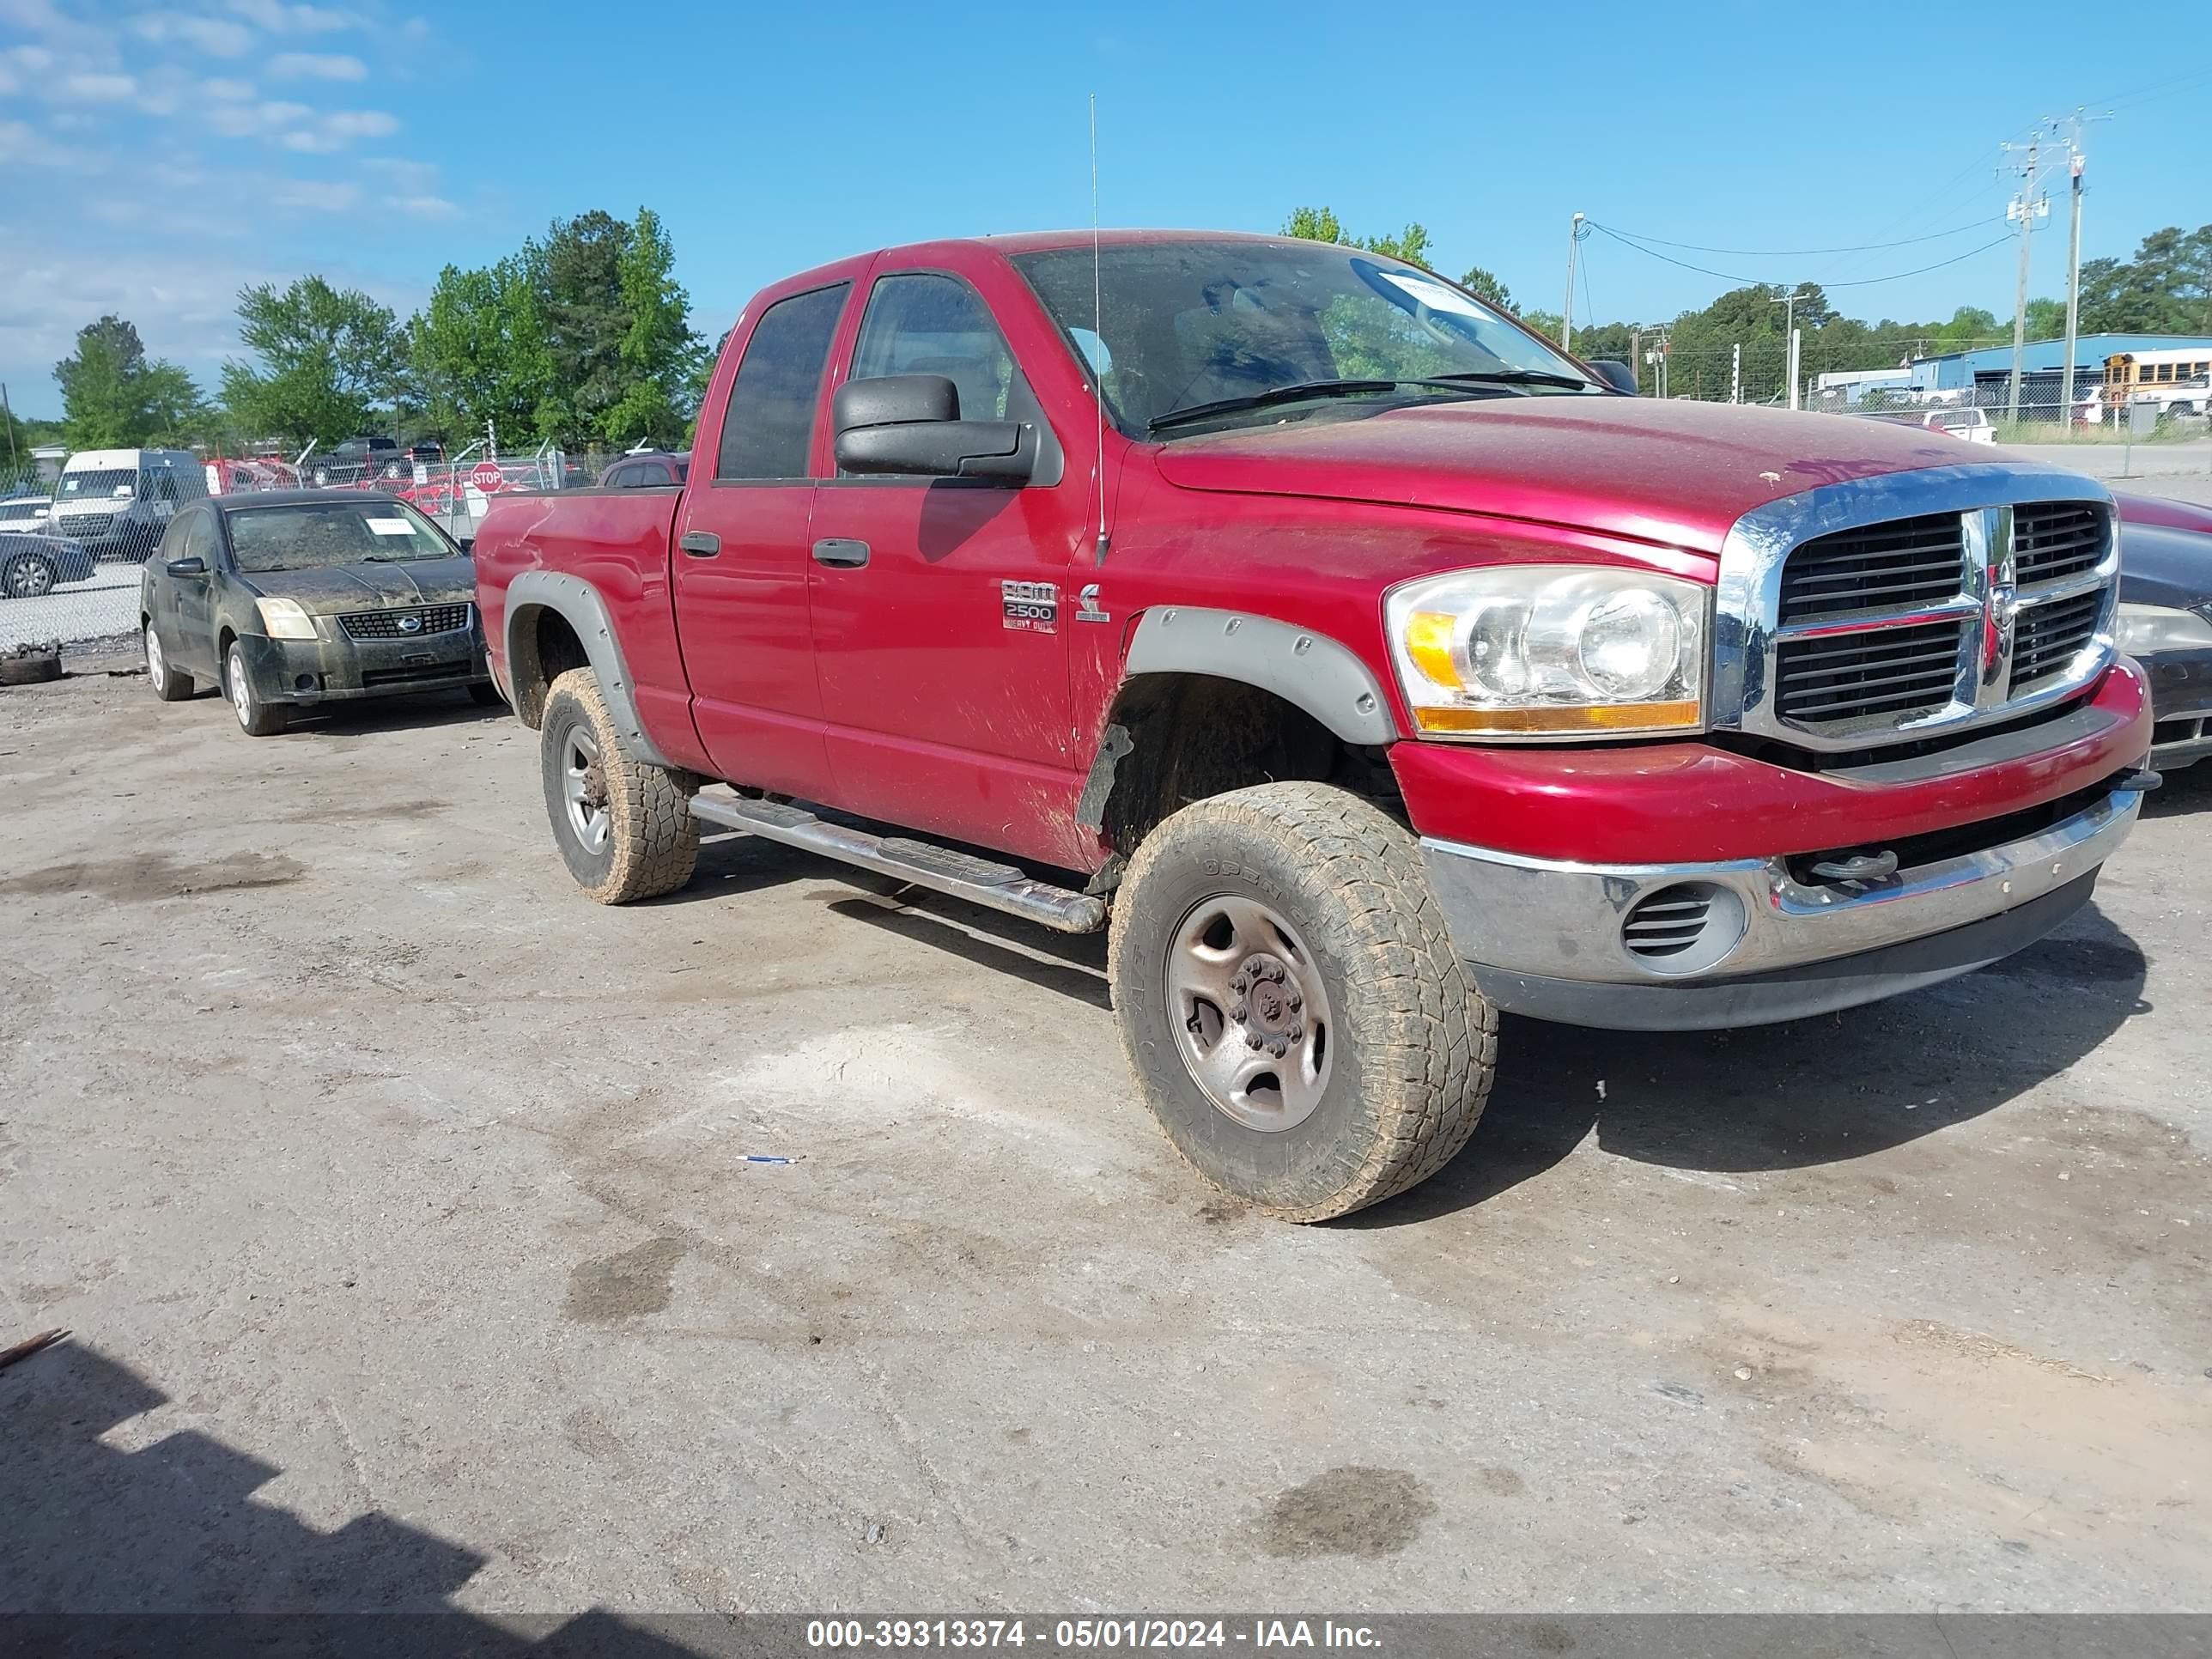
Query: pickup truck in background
column 1365, row 666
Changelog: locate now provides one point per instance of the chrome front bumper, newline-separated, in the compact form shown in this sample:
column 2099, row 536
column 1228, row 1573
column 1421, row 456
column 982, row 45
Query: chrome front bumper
column 1547, row 939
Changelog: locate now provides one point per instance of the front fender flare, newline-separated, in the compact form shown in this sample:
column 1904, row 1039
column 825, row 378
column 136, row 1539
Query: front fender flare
column 577, row 603
column 1309, row 670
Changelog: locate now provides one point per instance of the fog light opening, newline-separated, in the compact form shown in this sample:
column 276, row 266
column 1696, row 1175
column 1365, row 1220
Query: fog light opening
column 1686, row 928
column 303, row 681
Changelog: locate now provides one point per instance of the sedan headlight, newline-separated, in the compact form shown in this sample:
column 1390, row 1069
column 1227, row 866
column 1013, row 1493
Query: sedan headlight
column 285, row 619
column 2144, row 630
column 1550, row 650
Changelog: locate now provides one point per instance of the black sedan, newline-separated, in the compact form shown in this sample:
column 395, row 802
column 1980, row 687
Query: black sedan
column 288, row 598
column 2166, row 620
column 32, row 563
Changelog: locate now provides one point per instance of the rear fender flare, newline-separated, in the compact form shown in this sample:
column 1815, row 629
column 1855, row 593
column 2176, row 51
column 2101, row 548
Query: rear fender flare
column 577, row 603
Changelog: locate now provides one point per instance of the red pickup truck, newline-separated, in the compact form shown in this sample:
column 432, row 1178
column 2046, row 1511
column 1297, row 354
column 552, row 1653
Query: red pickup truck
column 1363, row 664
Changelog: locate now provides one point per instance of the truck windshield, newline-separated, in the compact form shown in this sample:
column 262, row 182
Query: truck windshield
column 1203, row 323
column 311, row 535
column 85, row 486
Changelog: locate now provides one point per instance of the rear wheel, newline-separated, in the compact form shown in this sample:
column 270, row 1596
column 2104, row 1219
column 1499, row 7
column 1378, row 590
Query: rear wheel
column 1292, row 1004
column 168, row 684
column 256, row 718
column 624, row 825
column 27, row 576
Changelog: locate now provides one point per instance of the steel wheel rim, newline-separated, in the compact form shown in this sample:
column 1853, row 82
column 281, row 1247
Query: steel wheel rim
column 1251, row 1014
column 156, row 670
column 241, row 699
column 584, row 789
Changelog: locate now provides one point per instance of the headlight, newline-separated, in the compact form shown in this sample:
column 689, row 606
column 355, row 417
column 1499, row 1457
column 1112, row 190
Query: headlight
column 2143, row 631
column 285, row 619
column 1556, row 650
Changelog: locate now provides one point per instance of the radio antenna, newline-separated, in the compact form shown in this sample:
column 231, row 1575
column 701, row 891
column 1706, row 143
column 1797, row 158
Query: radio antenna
column 1099, row 332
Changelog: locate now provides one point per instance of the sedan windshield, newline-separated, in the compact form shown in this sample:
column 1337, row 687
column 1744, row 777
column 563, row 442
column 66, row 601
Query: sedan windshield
column 313, row 535
column 1247, row 329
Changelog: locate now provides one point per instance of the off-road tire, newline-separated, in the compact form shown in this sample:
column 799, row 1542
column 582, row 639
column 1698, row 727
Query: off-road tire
column 1415, row 1044
column 161, row 674
column 255, row 718
column 653, row 843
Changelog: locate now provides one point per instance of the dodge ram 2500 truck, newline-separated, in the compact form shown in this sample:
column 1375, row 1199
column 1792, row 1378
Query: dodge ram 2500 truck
column 1364, row 664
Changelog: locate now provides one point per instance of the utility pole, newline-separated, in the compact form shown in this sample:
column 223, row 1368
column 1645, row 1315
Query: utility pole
column 2074, row 162
column 1567, row 317
column 1735, row 373
column 8, row 419
column 2023, row 207
column 1636, row 355
column 1789, row 332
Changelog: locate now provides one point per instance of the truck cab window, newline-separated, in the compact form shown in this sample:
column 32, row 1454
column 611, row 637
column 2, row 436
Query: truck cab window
column 770, row 420
column 922, row 323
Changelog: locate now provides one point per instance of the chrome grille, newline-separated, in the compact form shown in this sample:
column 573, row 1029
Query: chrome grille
column 2049, row 635
column 1897, row 608
column 2052, row 540
column 385, row 624
column 1842, row 677
column 1878, row 566
column 83, row 523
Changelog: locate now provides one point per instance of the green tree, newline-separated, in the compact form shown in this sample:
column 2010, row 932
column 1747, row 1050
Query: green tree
column 619, row 338
column 1322, row 225
column 479, row 350
column 328, row 358
column 114, row 397
column 2167, row 288
column 1484, row 286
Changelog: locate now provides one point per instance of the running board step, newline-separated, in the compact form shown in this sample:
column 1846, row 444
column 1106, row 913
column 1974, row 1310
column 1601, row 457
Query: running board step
column 942, row 869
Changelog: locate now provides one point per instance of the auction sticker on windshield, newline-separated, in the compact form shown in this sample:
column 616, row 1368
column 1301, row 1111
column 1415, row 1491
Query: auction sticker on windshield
column 389, row 527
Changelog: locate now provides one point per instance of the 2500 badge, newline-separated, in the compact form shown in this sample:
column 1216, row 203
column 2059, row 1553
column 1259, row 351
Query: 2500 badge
column 1033, row 607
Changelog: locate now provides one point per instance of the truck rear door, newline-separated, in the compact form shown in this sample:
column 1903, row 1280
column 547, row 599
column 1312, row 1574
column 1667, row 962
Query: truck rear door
column 740, row 560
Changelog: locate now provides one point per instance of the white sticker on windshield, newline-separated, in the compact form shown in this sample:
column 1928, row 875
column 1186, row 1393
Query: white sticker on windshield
column 389, row 527
column 1433, row 294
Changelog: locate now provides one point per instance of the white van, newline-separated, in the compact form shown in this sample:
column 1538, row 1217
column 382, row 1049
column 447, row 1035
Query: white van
column 119, row 501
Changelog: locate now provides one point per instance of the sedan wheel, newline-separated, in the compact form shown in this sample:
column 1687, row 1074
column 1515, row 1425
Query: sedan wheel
column 26, row 577
column 256, row 718
column 168, row 686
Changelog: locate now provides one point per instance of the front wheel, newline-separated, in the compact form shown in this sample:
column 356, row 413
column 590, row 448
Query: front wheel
column 27, row 576
column 624, row 825
column 1292, row 1004
column 256, row 718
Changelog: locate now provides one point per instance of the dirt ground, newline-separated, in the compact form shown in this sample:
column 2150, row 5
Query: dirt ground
column 402, row 1205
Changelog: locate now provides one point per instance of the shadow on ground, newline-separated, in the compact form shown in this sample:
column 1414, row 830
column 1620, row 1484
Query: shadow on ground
column 1813, row 1092
column 166, row 1549
column 2187, row 789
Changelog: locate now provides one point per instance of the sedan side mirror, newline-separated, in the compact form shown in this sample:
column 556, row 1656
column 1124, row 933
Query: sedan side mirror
column 910, row 425
column 194, row 566
column 1615, row 374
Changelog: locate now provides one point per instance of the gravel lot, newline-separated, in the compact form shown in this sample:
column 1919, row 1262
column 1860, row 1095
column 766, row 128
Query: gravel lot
column 399, row 1200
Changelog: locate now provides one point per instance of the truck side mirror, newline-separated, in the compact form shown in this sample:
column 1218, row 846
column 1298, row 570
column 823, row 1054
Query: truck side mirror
column 1615, row 374
column 910, row 425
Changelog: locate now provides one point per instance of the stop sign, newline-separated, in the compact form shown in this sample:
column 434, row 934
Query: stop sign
column 486, row 476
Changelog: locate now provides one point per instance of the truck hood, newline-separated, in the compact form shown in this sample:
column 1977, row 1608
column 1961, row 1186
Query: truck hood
column 1678, row 474
column 333, row 589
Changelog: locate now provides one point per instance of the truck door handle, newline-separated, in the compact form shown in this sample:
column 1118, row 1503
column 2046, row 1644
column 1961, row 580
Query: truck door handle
column 835, row 549
column 700, row 543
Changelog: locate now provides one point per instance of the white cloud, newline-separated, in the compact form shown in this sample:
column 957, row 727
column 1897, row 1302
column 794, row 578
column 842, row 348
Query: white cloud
column 227, row 91
column 217, row 36
column 245, row 121
column 281, row 19
column 89, row 87
column 424, row 207
column 24, row 145
column 362, row 124
column 316, row 197
column 317, row 66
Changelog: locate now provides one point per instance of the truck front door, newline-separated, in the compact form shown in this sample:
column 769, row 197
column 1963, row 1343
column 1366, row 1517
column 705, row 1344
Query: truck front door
column 740, row 562
column 941, row 606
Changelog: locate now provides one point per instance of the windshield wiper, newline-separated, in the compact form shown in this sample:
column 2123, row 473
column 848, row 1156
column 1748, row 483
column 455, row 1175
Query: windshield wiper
column 1278, row 394
column 1514, row 377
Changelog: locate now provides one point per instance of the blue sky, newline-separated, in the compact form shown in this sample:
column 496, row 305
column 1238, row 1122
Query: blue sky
column 158, row 156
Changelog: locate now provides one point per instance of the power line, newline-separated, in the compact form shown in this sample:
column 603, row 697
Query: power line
column 1761, row 282
column 1799, row 252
